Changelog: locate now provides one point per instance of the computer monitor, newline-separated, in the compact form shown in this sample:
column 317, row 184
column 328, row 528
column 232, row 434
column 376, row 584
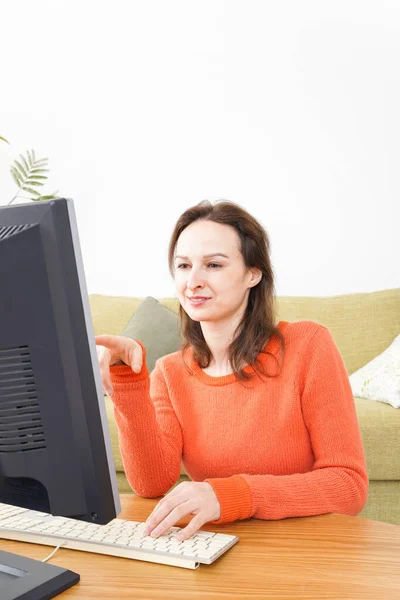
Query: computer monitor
column 55, row 448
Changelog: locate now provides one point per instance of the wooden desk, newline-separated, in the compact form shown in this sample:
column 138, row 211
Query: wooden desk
column 324, row 557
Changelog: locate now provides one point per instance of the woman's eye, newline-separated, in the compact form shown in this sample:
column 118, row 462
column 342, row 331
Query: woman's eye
column 214, row 265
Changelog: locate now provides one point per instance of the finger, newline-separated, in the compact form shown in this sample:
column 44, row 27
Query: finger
column 107, row 382
column 104, row 355
column 190, row 529
column 109, row 341
column 164, row 506
column 157, row 515
column 135, row 356
column 173, row 517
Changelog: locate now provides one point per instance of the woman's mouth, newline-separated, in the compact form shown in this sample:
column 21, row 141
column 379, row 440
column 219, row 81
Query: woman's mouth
column 198, row 301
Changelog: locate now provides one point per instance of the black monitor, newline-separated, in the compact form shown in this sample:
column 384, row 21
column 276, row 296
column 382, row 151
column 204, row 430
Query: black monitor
column 55, row 448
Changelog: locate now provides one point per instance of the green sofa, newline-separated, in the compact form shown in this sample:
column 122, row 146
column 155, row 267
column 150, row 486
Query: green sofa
column 363, row 326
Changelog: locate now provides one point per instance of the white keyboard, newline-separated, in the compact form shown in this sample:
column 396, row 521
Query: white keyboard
column 117, row 538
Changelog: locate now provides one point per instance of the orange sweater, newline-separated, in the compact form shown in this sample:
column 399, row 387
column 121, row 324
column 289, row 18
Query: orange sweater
column 287, row 446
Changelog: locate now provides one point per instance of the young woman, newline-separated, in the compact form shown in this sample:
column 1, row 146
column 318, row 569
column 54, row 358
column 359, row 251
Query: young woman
column 261, row 414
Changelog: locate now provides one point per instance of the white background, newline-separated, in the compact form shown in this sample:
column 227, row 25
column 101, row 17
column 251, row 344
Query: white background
column 144, row 108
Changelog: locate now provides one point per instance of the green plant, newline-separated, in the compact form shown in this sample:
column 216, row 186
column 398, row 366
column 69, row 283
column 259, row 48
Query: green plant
column 28, row 174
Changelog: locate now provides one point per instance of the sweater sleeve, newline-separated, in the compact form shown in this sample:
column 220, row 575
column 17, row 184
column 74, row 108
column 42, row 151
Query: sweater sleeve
column 338, row 482
column 150, row 435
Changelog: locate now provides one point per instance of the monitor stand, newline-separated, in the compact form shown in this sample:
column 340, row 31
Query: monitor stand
column 22, row 577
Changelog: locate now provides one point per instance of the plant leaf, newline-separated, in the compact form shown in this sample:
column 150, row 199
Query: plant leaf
column 21, row 168
column 39, row 171
column 16, row 175
column 37, row 176
column 50, row 197
column 37, row 162
column 30, row 161
column 30, row 190
column 33, row 155
column 4, row 139
column 24, row 161
column 33, row 182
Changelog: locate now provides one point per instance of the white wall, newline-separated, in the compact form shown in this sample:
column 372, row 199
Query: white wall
column 289, row 108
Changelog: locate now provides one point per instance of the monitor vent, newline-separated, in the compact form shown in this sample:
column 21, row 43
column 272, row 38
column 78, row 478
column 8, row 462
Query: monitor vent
column 21, row 427
column 10, row 230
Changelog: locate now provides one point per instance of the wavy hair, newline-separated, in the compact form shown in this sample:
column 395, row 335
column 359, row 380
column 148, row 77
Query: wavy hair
column 257, row 325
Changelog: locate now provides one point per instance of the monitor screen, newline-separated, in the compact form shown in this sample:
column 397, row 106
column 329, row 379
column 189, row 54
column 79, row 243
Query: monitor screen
column 55, row 448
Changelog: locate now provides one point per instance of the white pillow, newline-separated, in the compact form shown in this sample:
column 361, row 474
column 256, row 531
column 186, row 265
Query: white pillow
column 380, row 379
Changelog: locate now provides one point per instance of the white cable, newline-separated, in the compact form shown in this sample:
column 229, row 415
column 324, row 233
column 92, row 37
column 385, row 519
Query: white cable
column 64, row 543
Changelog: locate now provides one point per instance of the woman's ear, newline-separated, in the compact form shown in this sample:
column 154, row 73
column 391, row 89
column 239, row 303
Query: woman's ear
column 256, row 276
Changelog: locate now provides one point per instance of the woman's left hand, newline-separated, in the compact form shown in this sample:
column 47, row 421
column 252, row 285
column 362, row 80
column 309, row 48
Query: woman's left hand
column 187, row 498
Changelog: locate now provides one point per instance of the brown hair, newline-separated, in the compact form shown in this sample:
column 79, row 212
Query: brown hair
column 258, row 322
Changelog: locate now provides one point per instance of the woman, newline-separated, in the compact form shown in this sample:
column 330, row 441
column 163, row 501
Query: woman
column 262, row 415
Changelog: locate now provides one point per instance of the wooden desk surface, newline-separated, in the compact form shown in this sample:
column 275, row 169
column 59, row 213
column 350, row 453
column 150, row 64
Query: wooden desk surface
column 328, row 556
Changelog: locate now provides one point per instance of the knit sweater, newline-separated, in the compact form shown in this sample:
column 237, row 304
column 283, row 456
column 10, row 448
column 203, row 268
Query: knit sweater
column 271, row 448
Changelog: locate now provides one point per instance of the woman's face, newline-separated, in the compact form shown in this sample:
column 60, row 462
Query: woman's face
column 208, row 263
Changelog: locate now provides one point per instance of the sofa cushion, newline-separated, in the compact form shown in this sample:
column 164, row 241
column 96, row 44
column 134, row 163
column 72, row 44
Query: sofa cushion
column 110, row 314
column 380, row 429
column 379, row 380
column 157, row 327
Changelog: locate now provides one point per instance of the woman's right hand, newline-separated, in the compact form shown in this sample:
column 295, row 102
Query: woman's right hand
column 112, row 349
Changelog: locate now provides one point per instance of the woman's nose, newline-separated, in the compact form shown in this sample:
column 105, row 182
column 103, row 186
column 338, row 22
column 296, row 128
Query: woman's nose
column 195, row 279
